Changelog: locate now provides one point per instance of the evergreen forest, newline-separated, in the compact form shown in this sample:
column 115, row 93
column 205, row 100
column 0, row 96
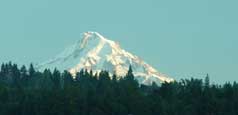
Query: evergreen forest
column 27, row 91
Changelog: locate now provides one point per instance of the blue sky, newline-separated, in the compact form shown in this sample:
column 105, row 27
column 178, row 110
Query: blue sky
column 182, row 38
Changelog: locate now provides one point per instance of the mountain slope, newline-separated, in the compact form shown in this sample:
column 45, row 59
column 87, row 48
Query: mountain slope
column 95, row 52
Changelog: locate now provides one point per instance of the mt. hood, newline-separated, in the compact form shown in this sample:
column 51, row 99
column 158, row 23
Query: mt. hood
column 95, row 52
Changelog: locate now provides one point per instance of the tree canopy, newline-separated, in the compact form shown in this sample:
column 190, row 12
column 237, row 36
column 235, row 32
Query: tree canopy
column 26, row 91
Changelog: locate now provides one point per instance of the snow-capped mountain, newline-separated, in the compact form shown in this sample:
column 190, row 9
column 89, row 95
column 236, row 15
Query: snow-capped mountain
column 95, row 52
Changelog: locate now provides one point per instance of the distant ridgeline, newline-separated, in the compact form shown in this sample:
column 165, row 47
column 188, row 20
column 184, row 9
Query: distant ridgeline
column 26, row 91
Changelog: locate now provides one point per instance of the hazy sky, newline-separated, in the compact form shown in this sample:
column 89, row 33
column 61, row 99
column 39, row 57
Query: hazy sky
column 181, row 38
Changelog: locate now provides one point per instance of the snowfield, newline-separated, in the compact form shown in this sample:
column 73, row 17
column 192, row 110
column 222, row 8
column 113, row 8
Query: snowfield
column 95, row 52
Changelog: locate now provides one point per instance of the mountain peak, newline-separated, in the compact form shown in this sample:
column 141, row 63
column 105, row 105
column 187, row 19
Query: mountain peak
column 91, row 34
column 97, row 53
column 93, row 38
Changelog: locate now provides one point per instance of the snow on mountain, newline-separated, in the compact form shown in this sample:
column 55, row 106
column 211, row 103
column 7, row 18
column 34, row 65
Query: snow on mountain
column 95, row 52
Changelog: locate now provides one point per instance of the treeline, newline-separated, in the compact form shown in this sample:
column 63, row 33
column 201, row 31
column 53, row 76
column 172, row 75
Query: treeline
column 25, row 91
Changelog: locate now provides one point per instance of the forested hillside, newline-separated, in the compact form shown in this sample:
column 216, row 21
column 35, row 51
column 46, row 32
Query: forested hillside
column 25, row 91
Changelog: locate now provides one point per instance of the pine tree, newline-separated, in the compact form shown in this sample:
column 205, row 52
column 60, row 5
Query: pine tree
column 31, row 70
column 3, row 72
column 68, row 79
column 114, row 78
column 79, row 75
column 47, row 82
column 16, row 76
column 130, row 79
column 207, row 81
column 130, row 75
column 56, row 78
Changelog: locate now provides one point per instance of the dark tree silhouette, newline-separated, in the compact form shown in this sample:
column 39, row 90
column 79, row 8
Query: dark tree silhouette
column 26, row 91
